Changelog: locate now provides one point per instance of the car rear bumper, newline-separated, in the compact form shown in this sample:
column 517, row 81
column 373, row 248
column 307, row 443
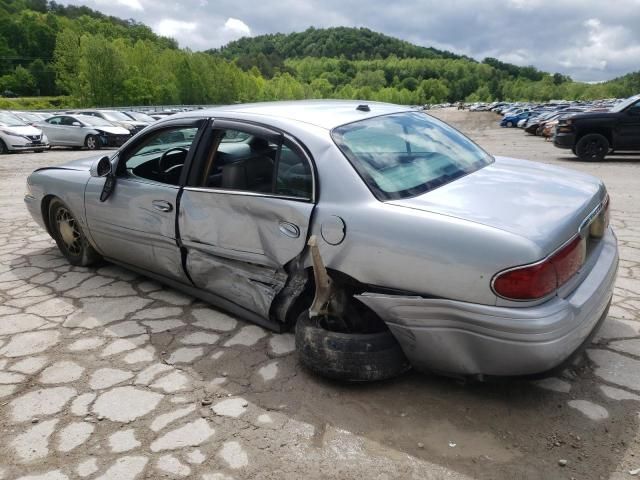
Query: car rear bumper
column 469, row 339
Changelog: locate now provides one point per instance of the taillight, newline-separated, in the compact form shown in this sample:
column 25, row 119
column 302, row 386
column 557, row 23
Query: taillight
column 539, row 280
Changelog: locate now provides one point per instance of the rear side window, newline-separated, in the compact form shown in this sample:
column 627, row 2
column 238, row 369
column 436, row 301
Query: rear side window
column 250, row 163
column 406, row 154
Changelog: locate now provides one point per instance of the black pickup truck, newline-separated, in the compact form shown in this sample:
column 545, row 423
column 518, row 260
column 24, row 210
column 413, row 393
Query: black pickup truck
column 592, row 135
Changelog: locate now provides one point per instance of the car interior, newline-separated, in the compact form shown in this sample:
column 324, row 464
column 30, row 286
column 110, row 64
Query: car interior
column 248, row 163
column 238, row 161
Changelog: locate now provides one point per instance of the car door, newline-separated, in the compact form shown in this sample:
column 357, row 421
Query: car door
column 628, row 128
column 136, row 223
column 245, row 214
column 70, row 133
column 52, row 129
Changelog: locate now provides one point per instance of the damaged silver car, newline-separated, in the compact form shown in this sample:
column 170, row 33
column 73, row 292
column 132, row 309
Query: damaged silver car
column 383, row 236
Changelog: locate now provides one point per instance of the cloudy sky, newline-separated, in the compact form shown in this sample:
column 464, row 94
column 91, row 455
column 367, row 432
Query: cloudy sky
column 591, row 40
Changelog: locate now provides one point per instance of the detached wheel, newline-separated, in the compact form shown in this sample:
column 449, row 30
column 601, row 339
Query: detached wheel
column 353, row 357
column 92, row 142
column 593, row 147
column 69, row 236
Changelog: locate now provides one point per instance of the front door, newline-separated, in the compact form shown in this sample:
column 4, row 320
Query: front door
column 628, row 129
column 136, row 223
column 245, row 214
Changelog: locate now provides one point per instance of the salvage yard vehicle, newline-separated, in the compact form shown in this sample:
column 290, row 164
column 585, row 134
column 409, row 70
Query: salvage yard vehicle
column 383, row 236
column 16, row 135
column 592, row 135
column 116, row 118
column 83, row 131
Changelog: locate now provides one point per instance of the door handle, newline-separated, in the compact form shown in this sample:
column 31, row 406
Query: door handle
column 162, row 205
column 289, row 229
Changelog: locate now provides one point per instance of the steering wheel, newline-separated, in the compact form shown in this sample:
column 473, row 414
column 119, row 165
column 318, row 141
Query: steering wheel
column 161, row 161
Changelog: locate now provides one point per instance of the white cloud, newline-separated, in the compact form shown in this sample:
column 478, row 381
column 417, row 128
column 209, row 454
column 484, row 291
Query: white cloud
column 175, row 28
column 130, row 4
column 236, row 28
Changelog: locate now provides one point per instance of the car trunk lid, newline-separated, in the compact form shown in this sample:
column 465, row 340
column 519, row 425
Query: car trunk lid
column 542, row 203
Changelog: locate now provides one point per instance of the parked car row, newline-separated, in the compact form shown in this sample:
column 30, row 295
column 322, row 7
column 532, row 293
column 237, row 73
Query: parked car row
column 591, row 130
column 83, row 128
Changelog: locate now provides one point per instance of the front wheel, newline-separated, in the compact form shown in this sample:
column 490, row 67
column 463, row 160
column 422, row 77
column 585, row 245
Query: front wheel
column 3, row 148
column 92, row 142
column 509, row 124
column 353, row 357
column 593, row 147
column 69, row 236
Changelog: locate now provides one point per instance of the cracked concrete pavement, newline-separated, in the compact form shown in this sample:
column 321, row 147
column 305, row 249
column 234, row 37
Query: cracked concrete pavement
column 105, row 374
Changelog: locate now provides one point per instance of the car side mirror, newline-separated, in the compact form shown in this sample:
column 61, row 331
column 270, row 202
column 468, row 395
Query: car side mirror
column 76, row 124
column 103, row 168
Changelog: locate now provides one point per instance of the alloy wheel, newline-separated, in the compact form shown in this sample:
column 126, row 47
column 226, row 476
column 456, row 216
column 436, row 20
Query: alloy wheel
column 69, row 231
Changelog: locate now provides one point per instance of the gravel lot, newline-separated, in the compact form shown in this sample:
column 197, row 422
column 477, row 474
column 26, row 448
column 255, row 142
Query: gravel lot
column 105, row 374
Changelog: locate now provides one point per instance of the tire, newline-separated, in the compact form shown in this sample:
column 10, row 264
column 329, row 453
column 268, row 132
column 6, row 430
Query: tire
column 509, row 124
column 593, row 147
column 352, row 357
column 69, row 237
column 38, row 151
column 92, row 142
column 3, row 148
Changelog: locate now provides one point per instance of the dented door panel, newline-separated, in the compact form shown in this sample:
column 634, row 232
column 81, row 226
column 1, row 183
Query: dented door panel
column 236, row 244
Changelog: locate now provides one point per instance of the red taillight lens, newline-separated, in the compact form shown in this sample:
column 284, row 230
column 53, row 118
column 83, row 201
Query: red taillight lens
column 537, row 281
column 569, row 260
column 527, row 283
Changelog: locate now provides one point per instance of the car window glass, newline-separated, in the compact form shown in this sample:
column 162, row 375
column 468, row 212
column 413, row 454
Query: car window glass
column 242, row 162
column 54, row 120
column 251, row 163
column 68, row 121
column 407, row 154
column 293, row 177
column 161, row 156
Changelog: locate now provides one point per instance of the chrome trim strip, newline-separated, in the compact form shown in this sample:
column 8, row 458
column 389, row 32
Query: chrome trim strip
column 245, row 193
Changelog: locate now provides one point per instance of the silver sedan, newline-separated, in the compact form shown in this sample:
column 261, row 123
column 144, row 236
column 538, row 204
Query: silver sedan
column 83, row 131
column 386, row 238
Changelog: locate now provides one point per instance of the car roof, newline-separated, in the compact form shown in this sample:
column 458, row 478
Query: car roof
column 326, row 114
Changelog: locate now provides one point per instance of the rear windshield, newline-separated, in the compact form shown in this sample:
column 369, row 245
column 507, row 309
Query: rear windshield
column 406, row 154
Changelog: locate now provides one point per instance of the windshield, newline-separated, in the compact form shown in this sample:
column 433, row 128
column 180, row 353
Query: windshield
column 141, row 117
column 9, row 120
column 116, row 116
column 406, row 154
column 94, row 121
column 624, row 104
column 29, row 117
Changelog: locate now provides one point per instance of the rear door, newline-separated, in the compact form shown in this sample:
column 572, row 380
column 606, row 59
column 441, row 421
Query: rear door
column 245, row 213
column 628, row 128
column 52, row 128
column 70, row 133
column 136, row 224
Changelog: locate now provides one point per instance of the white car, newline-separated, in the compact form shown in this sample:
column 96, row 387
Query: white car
column 16, row 135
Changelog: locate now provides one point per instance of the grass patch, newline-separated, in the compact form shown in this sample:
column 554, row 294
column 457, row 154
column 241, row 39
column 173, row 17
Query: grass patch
column 35, row 103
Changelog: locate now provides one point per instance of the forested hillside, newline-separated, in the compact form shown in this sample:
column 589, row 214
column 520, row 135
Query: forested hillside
column 97, row 60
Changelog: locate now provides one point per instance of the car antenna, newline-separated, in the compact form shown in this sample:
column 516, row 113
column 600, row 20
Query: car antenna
column 363, row 108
